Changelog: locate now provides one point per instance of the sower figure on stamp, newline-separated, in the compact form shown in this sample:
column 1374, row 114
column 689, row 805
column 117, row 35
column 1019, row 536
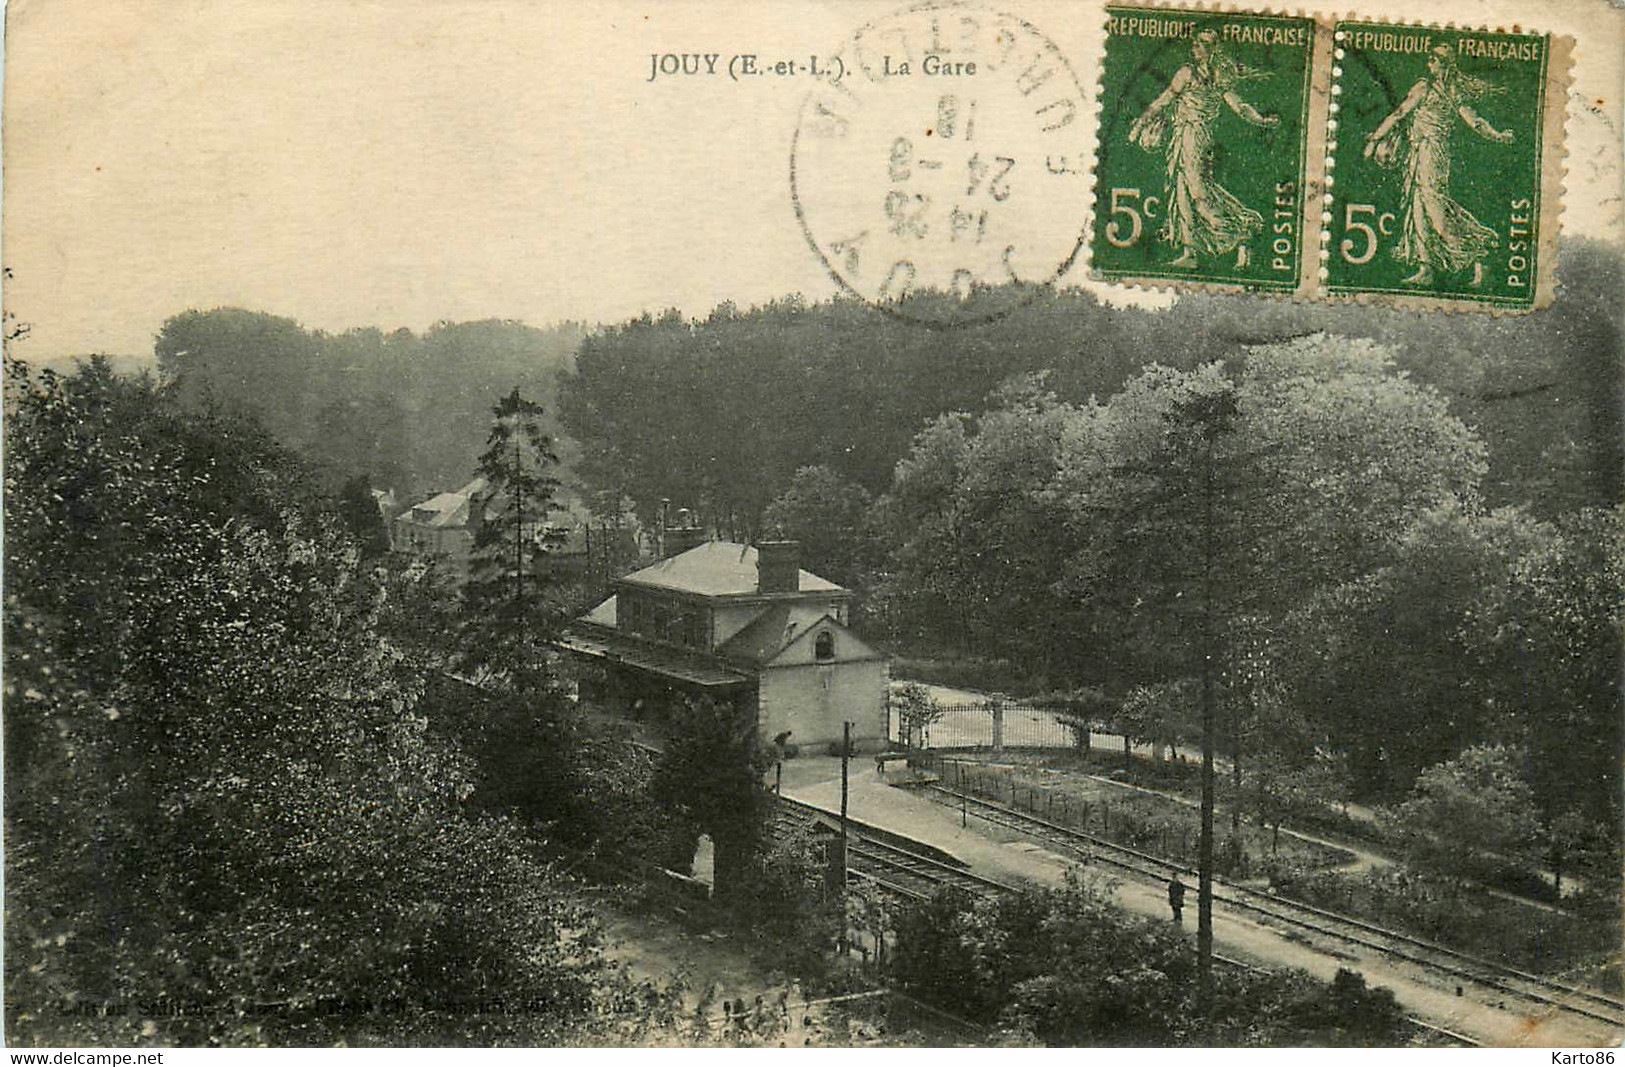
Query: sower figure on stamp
column 1437, row 233
column 1176, row 898
column 1202, row 216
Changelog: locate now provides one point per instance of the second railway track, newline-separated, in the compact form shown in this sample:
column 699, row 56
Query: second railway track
column 914, row 876
column 1394, row 944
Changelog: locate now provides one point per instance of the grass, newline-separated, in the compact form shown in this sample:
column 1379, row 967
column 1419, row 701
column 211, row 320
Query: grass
column 1154, row 824
column 1465, row 917
column 1461, row 915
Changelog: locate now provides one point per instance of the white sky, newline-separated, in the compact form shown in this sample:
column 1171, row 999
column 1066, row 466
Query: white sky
column 398, row 162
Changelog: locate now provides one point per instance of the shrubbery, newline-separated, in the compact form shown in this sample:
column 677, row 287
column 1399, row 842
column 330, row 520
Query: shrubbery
column 1068, row 967
column 1466, row 917
column 226, row 820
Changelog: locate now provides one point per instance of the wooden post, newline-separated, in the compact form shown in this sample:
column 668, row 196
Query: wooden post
column 845, row 757
column 964, row 804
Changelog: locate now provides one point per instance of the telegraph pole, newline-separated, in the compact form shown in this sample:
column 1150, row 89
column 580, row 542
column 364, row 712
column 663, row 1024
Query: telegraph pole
column 1211, row 418
column 846, row 756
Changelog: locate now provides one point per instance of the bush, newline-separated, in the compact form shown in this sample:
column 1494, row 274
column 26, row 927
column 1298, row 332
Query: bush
column 1472, row 816
column 1464, row 917
column 1068, row 967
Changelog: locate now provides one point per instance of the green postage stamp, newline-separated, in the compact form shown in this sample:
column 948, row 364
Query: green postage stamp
column 1444, row 157
column 1203, row 152
column 1382, row 162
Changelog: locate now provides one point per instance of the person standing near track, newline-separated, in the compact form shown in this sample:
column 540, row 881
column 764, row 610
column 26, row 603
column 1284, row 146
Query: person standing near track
column 1176, row 899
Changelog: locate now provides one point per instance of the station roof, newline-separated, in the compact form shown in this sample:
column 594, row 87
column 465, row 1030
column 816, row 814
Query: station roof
column 675, row 664
column 772, row 632
column 717, row 568
column 445, row 509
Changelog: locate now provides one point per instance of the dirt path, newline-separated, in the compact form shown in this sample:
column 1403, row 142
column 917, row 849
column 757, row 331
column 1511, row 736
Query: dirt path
column 667, row 950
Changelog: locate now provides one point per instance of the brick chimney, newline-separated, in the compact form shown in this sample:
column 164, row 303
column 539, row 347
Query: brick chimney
column 681, row 533
column 679, row 539
column 778, row 567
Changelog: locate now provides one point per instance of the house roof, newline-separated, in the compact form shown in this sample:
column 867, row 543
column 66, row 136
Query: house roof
column 717, row 568
column 445, row 509
column 679, row 665
column 772, row 632
column 603, row 615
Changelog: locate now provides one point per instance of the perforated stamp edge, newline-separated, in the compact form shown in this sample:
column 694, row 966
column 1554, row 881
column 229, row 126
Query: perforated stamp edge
column 1553, row 174
column 1318, row 88
column 1554, row 169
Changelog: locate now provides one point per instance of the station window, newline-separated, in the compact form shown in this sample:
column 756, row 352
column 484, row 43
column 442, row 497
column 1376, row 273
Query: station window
column 824, row 646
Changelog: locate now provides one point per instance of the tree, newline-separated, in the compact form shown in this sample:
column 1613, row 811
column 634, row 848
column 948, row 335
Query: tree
column 220, row 790
column 1206, row 504
column 832, row 519
column 1559, row 645
column 1149, row 713
column 360, row 515
column 1496, row 627
column 711, row 771
column 506, row 593
column 246, row 360
column 368, row 434
column 979, row 548
column 1472, row 816
column 917, row 711
column 345, row 401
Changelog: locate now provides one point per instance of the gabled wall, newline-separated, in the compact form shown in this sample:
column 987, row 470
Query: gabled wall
column 803, row 650
column 812, row 700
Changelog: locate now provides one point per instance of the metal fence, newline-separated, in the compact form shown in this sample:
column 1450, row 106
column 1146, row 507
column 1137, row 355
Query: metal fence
column 989, row 725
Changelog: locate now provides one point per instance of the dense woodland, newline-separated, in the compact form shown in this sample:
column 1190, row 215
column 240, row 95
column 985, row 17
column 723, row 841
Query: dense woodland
column 719, row 414
column 408, row 411
column 1404, row 528
column 244, row 795
column 231, row 814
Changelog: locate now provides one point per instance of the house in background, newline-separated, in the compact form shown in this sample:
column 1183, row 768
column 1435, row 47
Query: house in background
column 443, row 525
column 741, row 624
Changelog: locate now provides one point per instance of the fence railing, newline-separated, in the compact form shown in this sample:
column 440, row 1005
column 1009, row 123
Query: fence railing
column 997, row 725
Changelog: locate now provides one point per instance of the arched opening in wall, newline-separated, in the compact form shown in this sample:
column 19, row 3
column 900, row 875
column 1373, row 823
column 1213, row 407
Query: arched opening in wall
column 824, row 647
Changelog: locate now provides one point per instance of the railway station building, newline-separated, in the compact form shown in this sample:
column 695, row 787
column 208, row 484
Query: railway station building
column 741, row 624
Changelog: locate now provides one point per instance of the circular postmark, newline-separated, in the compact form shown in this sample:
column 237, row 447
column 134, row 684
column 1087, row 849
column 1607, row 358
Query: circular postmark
column 940, row 168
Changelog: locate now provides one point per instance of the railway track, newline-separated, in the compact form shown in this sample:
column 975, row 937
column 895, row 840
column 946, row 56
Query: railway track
column 1304, row 917
column 915, row 877
column 890, row 867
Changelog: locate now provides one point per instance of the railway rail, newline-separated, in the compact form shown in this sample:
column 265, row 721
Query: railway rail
column 916, row 877
column 1306, row 917
column 891, row 867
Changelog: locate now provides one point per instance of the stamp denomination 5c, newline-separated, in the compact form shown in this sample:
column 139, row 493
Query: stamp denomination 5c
column 1409, row 165
column 1444, row 150
column 1203, row 151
